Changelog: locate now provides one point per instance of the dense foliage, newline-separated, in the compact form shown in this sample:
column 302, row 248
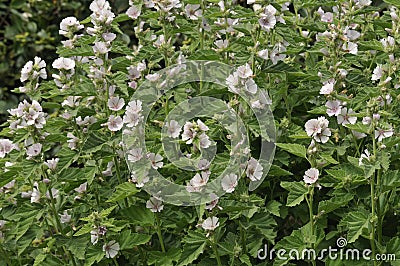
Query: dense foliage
column 73, row 190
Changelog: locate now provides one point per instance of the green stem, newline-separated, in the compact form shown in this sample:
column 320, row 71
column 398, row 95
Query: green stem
column 160, row 237
column 214, row 246
column 309, row 200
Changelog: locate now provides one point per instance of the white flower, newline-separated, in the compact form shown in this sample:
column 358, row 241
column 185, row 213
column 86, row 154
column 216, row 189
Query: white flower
column 116, row 103
column 203, row 164
column 251, row 86
column 54, row 193
column 377, row 73
column 213, row 203
column 188, row 132
column 156, row 160
column 114, row 123
column 318, row 129
column 135, row 155
column 111, row 249
column 94, row 237
column 65, row 217
column 141, row 180
column 35, row 196
column 311, row 176
column 34, row 150
column 204, row 141
column 69, row 25
column 72, row 141
column 101, row 48
column 350, row 34
column 153, row 77
column 132, row 119
column 52, row 164
column 333, row 107
column 245, row 71
column 173, row 129
column 108, row 171
column 346, row 117
column 34, row 69
column 325, row 16
column 6, row 146
column 160, row 41
column 350, row 47
column 328, row 87
column 193, row 11
column 229, row 182
column 64, row 63
column 134, row 106
column 197, row 183
column 268, row 19
column 233, row 81
column 263, row 54
column 277, row 53
column 313, row 127
column 154, row 204
column 210, row 223
column 71, row 101
column 365, row 156
column 82, row 188
column 254, row 170
column 133, row 12
column 381, row 134
column 221, row 44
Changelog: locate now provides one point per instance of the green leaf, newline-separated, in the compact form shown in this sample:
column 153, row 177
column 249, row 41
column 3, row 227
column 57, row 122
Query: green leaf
column 195, row 244
column 274, row 207
column 334, row 203
column 395, row 3
column 159, row 258
column 128, row 240
column 357, row 223
column 296, row 149
column 39, row 259
column 359, row 127
column 328, row 158
column 123, row 191
column 297, row 191
column 78, row 246
column 94, row 254
column 139, row 215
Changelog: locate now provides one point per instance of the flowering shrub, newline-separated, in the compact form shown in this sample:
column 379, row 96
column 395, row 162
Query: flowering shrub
column 82, row 155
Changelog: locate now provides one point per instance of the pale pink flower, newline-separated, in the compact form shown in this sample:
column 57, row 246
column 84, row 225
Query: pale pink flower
column 133, row 12
column 197, row 183
column 229, row 182
column 116, row 103
column 254, row 170
column 328, row 87
column 135, row 155
column 52, row 164
column 173, row 129
column 111, row 249
column 65, row 217
column 211, row 223
column 381, row 134
column 34, row 150
column 156, row 160
column 333, row 107
column 346, row 117
column 6, row 146
column 365, row 156
column 311, row 176
column 154, row 204
column 193, row 11
column 114, row 123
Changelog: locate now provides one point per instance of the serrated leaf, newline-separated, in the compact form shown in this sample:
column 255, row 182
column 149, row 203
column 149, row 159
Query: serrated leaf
column 39, row 259
column 297, row 191
column 356, row 223
column 296, row 149
column 190, row 253
column 123, row 191
column 334, row 203
column 128, row 240
column 358, row 127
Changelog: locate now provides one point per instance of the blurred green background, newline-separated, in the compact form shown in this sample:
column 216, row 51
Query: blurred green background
column 29, row 29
